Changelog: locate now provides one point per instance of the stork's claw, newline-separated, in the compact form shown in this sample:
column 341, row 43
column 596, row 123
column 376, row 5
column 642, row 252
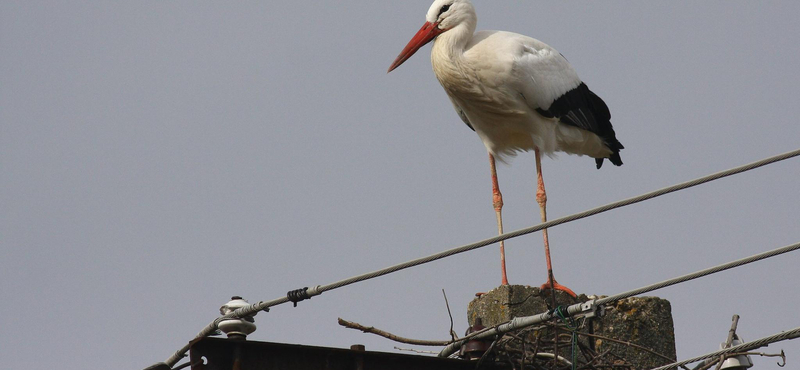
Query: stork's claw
column 553, row 284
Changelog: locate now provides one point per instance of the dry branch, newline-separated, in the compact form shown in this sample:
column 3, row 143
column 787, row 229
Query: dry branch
column 648, row 350
column 415, row 350
column 387, row 335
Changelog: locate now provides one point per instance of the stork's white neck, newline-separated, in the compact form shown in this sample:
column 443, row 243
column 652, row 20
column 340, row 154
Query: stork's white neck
column 447, row 56
column 449, row 46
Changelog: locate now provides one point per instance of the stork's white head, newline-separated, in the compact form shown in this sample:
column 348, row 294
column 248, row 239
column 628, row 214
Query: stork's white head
column 442, row 16
column 450, row 13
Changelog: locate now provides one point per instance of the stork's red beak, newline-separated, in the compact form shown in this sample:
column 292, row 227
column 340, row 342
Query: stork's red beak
column 425, row 34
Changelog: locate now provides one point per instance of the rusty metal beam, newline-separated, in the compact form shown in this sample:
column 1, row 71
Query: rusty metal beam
column 225, row 354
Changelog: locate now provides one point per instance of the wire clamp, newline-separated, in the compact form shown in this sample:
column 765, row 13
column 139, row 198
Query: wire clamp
column 560, row 312
column 592, row 309
column 298, row 295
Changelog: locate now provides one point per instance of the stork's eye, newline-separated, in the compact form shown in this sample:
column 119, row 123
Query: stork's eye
column 444, row 9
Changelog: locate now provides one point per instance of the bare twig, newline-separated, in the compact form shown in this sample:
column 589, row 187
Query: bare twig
column 546, row 355
column 590, row 364
column 620, row 359
column 782, row 355
column 387, row 335
column 415, row 350
column 453, row 335
column 720, row 362
column 187, row 364
column 729, row 341
column 538, row 342
column 707, row 365
column 631, row 345
column 524, row 350
column 732, row 332
column 555, row 331
column 485, row 354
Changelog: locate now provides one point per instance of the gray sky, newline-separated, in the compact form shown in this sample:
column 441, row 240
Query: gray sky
column 158, row 157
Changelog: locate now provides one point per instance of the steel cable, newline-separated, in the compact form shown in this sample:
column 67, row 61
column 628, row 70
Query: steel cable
column 525, row 321
column 744, row 347
column 254, row 308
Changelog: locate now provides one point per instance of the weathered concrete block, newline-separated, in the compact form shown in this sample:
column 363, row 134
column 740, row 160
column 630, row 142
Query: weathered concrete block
column 641, row 321
column 509, row 301
column 645, row 321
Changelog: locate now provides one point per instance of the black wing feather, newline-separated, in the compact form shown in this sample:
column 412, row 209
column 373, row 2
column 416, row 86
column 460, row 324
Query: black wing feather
column 582, row 108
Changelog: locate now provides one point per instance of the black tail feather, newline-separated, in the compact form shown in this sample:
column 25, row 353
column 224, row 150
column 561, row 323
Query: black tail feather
column 614, row 158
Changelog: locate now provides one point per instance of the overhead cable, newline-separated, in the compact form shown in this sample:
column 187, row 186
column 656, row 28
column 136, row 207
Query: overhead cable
column 319, row 289
column 588, row 307
column 744, row 347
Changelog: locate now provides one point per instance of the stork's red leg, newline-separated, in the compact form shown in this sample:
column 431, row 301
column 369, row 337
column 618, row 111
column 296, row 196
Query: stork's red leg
column 541, row 198
column 497, row 201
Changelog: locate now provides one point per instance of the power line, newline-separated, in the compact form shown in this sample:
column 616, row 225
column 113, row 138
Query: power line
column 744, row 347
column 701, row 273
column 319, row 289
column 589, row 307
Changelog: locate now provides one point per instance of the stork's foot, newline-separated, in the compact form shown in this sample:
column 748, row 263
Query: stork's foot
column 553, row 284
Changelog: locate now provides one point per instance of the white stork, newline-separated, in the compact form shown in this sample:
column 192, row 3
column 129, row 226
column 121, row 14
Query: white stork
column 518, row 94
